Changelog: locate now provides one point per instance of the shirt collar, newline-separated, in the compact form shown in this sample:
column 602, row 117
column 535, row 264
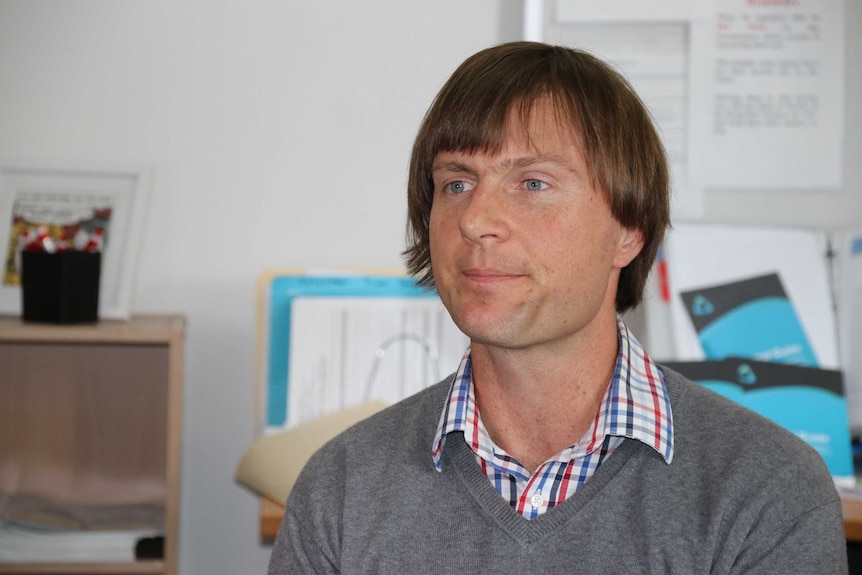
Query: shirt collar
column 636, row 404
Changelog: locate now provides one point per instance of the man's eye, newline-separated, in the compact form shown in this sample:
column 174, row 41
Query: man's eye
column 535, row 185
column 458, row 187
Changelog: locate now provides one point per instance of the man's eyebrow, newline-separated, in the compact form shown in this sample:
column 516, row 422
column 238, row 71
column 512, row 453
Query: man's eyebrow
column 527, row 161
column 519, row 162
column 453, row 166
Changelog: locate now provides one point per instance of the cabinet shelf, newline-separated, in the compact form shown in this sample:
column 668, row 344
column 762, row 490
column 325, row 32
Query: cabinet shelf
column 131, row 568
column 91, row 419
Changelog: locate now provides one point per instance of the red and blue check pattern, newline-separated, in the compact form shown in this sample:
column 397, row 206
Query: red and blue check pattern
column 635, row 406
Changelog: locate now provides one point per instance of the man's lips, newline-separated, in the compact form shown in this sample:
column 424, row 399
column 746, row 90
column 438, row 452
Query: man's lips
column 489, row 276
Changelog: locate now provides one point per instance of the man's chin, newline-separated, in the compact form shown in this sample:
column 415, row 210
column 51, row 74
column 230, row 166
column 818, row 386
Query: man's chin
column 490, row 331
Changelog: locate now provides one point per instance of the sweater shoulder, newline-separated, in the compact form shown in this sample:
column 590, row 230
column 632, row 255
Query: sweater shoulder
column 730, row 440
column 413, row 415
column 401, row 432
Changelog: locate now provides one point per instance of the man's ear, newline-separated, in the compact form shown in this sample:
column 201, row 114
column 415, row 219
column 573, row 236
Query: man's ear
column 630, row 245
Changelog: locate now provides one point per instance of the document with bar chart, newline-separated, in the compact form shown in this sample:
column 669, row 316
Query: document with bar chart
column 334, row 340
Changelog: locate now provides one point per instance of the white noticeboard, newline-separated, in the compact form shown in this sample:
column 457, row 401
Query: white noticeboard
column 767, row 95
column 747, row 95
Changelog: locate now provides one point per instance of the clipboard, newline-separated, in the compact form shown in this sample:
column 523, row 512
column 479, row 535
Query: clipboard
column 330, row 340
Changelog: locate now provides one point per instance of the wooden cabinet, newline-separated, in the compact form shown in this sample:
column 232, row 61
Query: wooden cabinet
column 91, row 419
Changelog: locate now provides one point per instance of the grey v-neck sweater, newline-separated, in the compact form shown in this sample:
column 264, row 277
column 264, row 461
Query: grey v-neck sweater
column 740, row 496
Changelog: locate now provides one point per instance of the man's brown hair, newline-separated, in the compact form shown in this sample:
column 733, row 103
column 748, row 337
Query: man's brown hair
column 624, row 153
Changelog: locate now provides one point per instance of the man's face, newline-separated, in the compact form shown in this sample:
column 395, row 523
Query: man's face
column 525, row 251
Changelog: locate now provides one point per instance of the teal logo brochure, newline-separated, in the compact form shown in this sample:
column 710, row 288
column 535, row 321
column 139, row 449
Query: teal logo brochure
column 749, row 318
column 807, row 401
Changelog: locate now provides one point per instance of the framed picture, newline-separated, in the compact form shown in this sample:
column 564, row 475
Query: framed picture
column 63, row 200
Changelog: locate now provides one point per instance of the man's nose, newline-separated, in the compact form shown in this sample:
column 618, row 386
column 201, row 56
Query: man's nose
column 484, row 215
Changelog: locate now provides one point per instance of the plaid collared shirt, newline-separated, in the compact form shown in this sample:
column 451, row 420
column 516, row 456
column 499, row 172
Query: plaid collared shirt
column 635, row 406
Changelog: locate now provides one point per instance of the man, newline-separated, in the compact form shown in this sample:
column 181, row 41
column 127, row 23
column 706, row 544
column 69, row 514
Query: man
column 538, row 196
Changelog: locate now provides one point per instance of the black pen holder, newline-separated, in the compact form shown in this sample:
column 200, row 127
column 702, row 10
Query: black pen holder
column 60, row 287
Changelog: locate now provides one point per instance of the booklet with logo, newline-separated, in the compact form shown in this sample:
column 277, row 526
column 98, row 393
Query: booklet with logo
column 749, row 318
column 810, row 402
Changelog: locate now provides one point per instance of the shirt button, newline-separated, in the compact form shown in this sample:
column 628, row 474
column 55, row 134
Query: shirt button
column 537, row 500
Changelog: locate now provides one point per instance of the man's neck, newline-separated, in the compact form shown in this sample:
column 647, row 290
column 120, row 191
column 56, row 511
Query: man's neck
column 536, row 402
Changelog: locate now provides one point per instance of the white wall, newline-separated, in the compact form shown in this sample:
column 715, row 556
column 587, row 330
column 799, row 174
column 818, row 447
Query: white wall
column 279, row 134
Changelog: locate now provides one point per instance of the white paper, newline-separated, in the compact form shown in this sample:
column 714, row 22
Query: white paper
column 348, row 350
column 767, row 95
column 849, row 284
column 701, row 255
column 24, row 543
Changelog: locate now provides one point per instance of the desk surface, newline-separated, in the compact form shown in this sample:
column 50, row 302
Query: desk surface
column 271, row 512
column 852, row 518
column 270, row 518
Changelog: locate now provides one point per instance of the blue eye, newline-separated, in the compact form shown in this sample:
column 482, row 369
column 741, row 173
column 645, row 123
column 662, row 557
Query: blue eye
column 535, row 185
column 458, row 187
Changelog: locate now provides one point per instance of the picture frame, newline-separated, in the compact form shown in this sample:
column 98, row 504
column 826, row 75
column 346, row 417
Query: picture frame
column 63, row 197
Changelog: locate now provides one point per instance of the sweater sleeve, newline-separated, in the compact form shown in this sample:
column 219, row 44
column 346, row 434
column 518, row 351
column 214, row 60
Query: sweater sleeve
column 308, row 539
column 813, row 545
column 297, row 550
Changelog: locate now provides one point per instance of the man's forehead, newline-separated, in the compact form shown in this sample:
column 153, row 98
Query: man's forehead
column 542, row 136
column 543, row 117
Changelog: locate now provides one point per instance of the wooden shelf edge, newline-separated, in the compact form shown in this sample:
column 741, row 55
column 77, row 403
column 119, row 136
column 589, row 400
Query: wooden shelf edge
column 270, row 519
column 59, row 568
column 141, row 329
column 852, row 508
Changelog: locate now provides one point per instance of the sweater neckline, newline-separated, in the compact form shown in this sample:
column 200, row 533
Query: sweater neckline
column 526, row 532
